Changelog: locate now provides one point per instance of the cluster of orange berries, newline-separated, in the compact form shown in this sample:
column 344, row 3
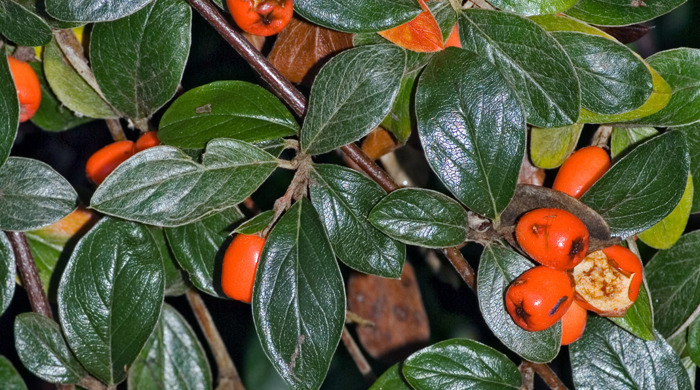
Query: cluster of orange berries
column 105, row 160
column 568, row 283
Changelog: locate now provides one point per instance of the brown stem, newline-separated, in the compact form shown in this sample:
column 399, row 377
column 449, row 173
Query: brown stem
column 228, row 375
column 465, row 271
column 91, row 383
column 115, row 128
column 546, row 373
column 29, row 274
column 358, row 357
column 528, row 377
column 370, row 167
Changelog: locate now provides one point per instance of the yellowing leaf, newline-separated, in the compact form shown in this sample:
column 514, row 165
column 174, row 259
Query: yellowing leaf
column 665, row 233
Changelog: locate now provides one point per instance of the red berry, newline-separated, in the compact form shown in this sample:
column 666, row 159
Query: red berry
column 573, row 323
column 28, row 88
column 581, row 170
column 261, row 17
column 105, row 160
column 147, row 140
column 240, row 265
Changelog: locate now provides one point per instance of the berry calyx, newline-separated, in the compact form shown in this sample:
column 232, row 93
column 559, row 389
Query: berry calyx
column 240, row 265
column 146, row 140
column 28, row 88
column 553, row 237
column 538, row 298
column 105, row 160
column 573, row 323
column 261, row 17
column 581, row 170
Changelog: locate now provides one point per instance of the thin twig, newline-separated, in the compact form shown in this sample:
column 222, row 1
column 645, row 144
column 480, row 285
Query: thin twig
column 115, row 128
column 548, row 376
column 528, row 376
column 358, row 357
column 91, row 383
column 602, row 136
column 228, row 375
column 29, row 274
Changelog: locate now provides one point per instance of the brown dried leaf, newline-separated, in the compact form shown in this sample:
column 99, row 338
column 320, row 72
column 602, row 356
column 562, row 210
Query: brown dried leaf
column 626, row 34
column 302, row 48
column 530, row 174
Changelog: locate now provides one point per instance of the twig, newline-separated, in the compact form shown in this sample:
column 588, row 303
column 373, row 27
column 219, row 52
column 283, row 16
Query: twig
column 602, row 136
column 115, row 128
column 228, row 375
column 29, row 274
column 465, row 271
column 357, row 356
column 528, row 376
column 91, row 383
column 546, row 373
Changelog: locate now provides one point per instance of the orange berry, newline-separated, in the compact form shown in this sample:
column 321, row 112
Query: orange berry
column 553, row 237
column 573, row 323
column 28, row 88
column 105, row 160
column 261, row 17
column 581, row 170
column 239, row 266
column 538, row 298
column 146, row 140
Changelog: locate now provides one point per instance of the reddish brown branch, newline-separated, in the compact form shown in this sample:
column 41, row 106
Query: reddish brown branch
column 546, row 373
column 358, row 357
column 29, row 274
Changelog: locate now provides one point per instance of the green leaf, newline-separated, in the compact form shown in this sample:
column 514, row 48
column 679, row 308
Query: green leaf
column 343, row 199
column 9, row 110
column 370, row 77
column 299, row 298
column 400, row 121
column 549, row 148
column 175, row 283
column 694, row 341
column 52, row 115
column 445, row 15
column 421, row 217
column 639, row 319
column 498, row 267
column 33, row 195
column 692, row 136
column 23, row 26
column 530, row 59
column 110, row 297
column 673, row 276
column 166, row 188
column 624, row 137
column 666, row 232
column 561, row 22
column 93, row 11
column 391, row 379
column 643, row 187
column 7, row 273
column 621, row 12
column 9, row 377
column 472, row 128
column 257, row 223
column 39, row 8
column 197, row 246
column 43, row 350
column 225, row 109
column 461, row 364
column 172, row 358
column 358, row 15
column 138, row 60
column 607, row 357
column 535, row 7
column 607, row 89
column 70, row 88
column 681, row 69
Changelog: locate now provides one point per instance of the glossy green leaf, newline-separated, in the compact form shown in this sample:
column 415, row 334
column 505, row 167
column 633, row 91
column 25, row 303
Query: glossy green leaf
column 370, row 77
column 225, row 109
column 299, row 298
column 172, row 358
column 343, row 199
column 175, row 283
column 694, row 341
column 197, row 246
column 673, row 276
column 70, row 88
column 607, row 89
column 534, row 7
column 666, row 232
column 33, row 195
column 108, row 320
column 639, row 319
column 43, row 350
column 138, row 60
column 421, row 217
column 624, row 137
column 9, row 377
column 9, row 110
column 643, row 187
column 7, row 273
column 692, row 136
column 498, row 267
column 22, row 26
column 681, row 69
column 52, row 115
column 607, row 357
column 358, row 15
column 400, row 121
column 257, row 223
column 391, row 379
column 39, row 8
column 415, row 61
column 621, row 12
column 93, row 11
column 549, row 148
column 561, row 22
column 167, row 188
column 530, row 59
column 445, row 15
column 461, row 364
column 472, row 128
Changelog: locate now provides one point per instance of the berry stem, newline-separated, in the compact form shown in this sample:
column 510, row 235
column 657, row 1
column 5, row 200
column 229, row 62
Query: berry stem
column 115, row 129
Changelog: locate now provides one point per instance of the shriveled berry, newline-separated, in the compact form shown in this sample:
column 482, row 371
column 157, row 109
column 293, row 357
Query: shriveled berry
column 573, row 323
column 581, row 170
column 538, row 298
column 240, row 265
column 553, row 237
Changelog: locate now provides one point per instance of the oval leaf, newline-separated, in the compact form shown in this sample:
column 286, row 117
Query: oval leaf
column 391, row 379
column 343, row 199
column 33, row 195
column 225, row 109
column 694, row 341
column 549, row 148
column 624, row 137
column 421, row 34
column 172, row 358
column 9, row 377
column 472, row 128
column 299, row 298
column 643, row 187
column 534, row 7
column 108, row 320
column 23, row 26
column 692, row 136
column 7, row 273
column 370, row 77
column 666, row 232
column 167, row 188
column 639, row 319
column 621, row 12
column 358, row 15
column 93, row 11
column 9, row 110
column 498, row 267
column 52, row 115
column 138, row 60
column 461, row 364
column 257, row 223
column 175, row 283
column 43, row 351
